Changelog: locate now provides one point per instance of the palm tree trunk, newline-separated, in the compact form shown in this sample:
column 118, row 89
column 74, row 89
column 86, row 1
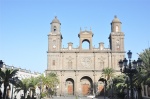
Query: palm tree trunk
column 24, row 95
column 139, row 93
column 4, row 94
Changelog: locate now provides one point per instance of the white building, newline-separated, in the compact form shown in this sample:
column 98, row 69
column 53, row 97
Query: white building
column 21, row 74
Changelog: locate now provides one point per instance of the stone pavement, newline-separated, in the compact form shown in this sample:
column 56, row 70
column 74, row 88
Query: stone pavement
column 74, row 97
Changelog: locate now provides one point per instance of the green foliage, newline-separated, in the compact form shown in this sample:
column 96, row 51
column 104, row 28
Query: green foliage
column 144, row 74
column 24, row 85
column 34, row 81
column 50, row 81
column 5, row 76
column 119, row 86
column 148, row 82
column 43, row 94
column 145, row 56
column 108, row 73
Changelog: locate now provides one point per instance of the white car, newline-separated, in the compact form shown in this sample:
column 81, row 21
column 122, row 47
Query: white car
column 91, row 96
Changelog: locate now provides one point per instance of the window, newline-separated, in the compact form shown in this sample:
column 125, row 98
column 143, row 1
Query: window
column 117, row 28
column 53, row 62
column 54, row 28
column 118, row 45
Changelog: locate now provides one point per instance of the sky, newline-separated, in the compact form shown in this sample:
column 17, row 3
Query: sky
column 25, row 24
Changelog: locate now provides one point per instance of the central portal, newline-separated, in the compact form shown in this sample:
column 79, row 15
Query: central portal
column 86, row 85
column 70, row 86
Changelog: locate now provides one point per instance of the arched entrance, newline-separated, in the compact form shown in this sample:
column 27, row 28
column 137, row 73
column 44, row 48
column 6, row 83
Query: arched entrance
column 86, row 85
column 70, row 86
column 102, row 83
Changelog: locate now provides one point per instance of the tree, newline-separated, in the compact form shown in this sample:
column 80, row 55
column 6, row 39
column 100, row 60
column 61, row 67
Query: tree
column 50, row 81
column 143, row 76
column 119, row 86
column 24, row 85
column 107, row 73
column 34, row 81
column 6, row 75
column 145, row 69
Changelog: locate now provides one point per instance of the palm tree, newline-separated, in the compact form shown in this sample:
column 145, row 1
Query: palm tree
column 6, row 75
column 108, row 73
column 145, row 56
column 143, row 77
column 119, row 85
column 24, row 85
column 50, row 81
column 34, row 81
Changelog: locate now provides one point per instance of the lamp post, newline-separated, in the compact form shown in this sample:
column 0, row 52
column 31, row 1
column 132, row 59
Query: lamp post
column 130, row 69
column 111, row 83
column 105, row 84
column 1, row 64
column 40, row 89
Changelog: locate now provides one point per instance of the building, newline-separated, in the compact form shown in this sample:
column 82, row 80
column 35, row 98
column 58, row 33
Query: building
column 78, row 69
column 21, row 74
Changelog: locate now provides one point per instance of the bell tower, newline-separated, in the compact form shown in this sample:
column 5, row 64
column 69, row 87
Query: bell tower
column 55, row 37
column 116, row 38
column 85, row 36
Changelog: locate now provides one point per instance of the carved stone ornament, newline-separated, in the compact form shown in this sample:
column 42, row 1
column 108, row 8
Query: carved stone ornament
column 86, row 62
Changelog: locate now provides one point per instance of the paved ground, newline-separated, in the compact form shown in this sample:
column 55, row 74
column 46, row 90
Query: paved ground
column 73, row 97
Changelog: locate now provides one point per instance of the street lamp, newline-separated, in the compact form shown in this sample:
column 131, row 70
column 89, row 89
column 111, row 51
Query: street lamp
column 40, row 89
column 1, row 64
column 130, row 69
column 111, row 83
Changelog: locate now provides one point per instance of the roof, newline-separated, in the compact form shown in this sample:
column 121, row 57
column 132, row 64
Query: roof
column 55, row 20
column 115, row 19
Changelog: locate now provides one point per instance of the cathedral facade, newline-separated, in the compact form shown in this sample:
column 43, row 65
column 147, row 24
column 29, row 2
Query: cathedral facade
column 79, row 70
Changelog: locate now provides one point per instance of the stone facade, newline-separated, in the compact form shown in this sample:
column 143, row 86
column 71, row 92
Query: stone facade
column 79, row 70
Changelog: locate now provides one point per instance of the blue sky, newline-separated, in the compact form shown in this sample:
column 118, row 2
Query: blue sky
column 25, row 24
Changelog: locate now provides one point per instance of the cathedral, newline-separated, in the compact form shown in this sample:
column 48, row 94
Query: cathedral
column 79, row 70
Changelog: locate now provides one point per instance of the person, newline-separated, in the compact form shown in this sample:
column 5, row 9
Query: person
column 28, row 97
column 22, row 96
column 15, row 97
column 0, row 94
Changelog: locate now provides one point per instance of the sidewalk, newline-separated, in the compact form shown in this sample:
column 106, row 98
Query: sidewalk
column 73, row 97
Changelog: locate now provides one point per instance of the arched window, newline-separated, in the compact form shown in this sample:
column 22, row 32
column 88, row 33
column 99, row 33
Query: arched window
column 117, row 28
column 85, row 44
column 54, row 28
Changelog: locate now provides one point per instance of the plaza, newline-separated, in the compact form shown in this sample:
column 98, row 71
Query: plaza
column 79, row 97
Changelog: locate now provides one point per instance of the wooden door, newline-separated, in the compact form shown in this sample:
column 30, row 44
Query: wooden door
column 85, row 89
column 70, row 89
column 100, row 88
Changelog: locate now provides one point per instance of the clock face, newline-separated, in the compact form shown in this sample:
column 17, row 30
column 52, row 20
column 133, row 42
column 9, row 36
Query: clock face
column 54, row 46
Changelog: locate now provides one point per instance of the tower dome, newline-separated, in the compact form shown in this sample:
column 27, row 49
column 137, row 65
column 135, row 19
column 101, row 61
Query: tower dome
column 55, row 20
column 115, row 19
